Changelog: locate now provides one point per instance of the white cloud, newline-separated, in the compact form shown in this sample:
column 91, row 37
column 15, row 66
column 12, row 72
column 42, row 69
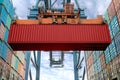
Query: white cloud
column 21, row 8
column 94, row 7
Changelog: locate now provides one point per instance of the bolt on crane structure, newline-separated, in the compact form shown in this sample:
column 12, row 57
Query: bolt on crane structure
column 43, row 20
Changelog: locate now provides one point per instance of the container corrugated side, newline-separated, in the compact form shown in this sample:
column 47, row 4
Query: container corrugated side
column 111, row 11
column 118, row 16
column 90, row 72
column 7, row 70
column 16, row 64
column 0, row 45
column 95, row 68
column 102, row 61
column 98, row 65
column 119, row 62
column 24, row 64
column 118, row 66
column 8, row 6
column 116, row 4
column 88, row 77
column 3, row 52
column 62, row 36
column 5, row 3
column 111, row 34
column 20, row 69
column 113, row 51
column 2, row 31
column 13, row 61
column 116, row 61
column 2, row 65
column 11, row 11
column 112, row 69
column 8, row 22
column 9, row 56
column 6, row 35
column 13, row 75
column 96, row 55
column 21, row 56
column 3, row 14
column 114, row 66
column 87, row 53
column 117, row 42
column 89, row 61
column 106, row 17
column 107, row 55
column 114, row 26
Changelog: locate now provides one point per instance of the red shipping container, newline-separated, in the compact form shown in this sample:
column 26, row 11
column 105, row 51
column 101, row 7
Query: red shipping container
column 59, row 37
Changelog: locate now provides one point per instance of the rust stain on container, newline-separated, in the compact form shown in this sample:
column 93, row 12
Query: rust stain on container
column 59, row 37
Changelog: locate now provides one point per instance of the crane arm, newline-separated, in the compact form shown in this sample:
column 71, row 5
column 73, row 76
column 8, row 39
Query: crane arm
column 76, row 1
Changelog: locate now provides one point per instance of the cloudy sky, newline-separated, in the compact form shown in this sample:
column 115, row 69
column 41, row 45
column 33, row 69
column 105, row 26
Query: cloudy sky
column 65, row 73
column 92, row 8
